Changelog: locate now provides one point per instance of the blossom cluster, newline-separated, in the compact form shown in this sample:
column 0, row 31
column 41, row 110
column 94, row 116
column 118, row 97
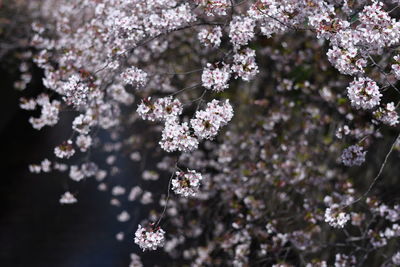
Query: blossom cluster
column 387, row 114
column 64, row 150
column 206, row 123
column 149, row 239
column 364, row 93
column 335, row 217
column 186, row 183
column 353, row 156
column 162, row 109
column 244, row 64
column 215, row 78
column 214, row 7
column 176, row 136
column 210, row 37
column 49, row 110
column 134, row 76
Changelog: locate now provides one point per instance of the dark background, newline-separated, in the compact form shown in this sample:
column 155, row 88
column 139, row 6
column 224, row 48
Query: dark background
column 35, row 230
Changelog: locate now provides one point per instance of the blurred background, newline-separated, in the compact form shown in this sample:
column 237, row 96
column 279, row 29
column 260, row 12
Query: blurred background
column 35, row 229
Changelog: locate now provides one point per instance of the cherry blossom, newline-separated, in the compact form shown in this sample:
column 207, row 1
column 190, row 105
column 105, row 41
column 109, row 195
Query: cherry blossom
column 206, row 123
column 64, row 150
column 186, row 183
column 176, row 136
column 335, row 217
column 244, row 64
column 149, row 238
column 216, row 79
column 353, row 155
column 68, row 198
column 387, row 115
column 241, row 31
column 364, row 93
column 210, row 37
column 214, row 7
column 134, row 76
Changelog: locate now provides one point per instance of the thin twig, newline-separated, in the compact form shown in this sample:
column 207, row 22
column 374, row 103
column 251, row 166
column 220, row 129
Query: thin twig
column 167, row 199
column 378, row 175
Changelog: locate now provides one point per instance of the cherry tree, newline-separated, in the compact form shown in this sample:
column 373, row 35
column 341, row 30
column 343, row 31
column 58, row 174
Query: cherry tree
column 257, row 113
